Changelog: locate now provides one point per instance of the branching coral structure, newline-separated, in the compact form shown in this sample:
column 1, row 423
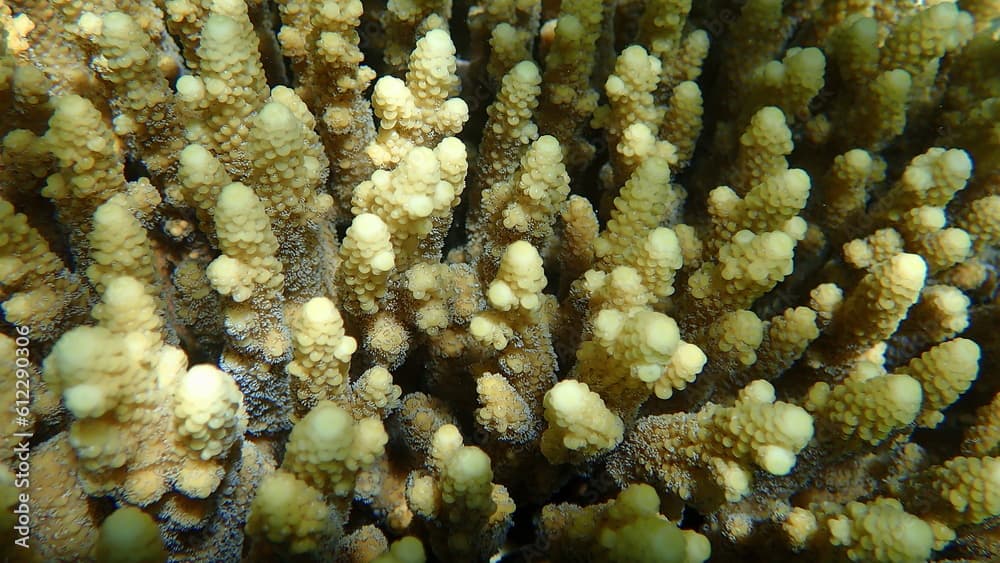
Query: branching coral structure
column 500, row 280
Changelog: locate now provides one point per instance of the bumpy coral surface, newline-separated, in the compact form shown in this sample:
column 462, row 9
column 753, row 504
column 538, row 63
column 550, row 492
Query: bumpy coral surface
column 515, row 280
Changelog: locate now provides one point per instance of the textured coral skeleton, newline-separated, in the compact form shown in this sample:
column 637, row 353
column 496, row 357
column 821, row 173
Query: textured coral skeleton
column 524, row 280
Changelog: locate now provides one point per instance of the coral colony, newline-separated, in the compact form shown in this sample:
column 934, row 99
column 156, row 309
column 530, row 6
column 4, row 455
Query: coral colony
column 520, row 281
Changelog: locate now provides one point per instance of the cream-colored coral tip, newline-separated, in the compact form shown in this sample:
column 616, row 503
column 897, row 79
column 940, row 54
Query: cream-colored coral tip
column 956, row 163
column 799, row 526
column 658, row 259
column 769, row 120
column 288, row 511
column 326, row 448
column 758, row 427
column 522, row 255
column 825, row 299
column 621, row 289
column 469, row 464
column 89, row 366
column 370, row 229
column 405, row 550
column 490, row 331
column 981, row 219
column 437, row 43
column 663, row 242
column 206, row 406
column 697, row 547
column 197, row 479
column 722, row 201
column 882, row 531
column 202, row 385
column 422, row 280
column 201, row 177
column 609, row 323
column 983, row 436
column 578, row 421
column 945, row 372
column 190, row 89
column 858, row 159
column 955, row 243
column 870, row 408
column 220, row 29
column 525, row 72
column 446, row 441
column 971, row 486
column 327, row 426
column 635, row 500
column 504, row 411
column 392, row 97
column 904, row 390
column 453, row 159
column 908, row 270
column 566, row 396
column 775, row 459
column 100, row 446
column 685, row 364
column 73, row 107
column 634, row 531
column 734, row 478
column 228, row 276
column 375, row 386
column 129, row 535
column 119, row 245
column 238, row 199
column 423, row 495
column 797, row 425
column 738, row 334
column 92, row 24
column 231, row 8
column 451, row 115
column 793, row 189
column 503, row 297
column 520, row 279
column 774, row 245
column 420, row 163
column 547, row 149
column 912, row 540
column 809, row 58
column 896, row 82
column 127, row 306
column 645, row 539
column 275, row 116
column 388, row 337
column 687, row 90
column 319, row 311
column 758, row 391
column 287, row 97
column 923, row 220
column 196, row 158
column 111, row 216
column 656, row 332
column 117, row 25
column 369, row 442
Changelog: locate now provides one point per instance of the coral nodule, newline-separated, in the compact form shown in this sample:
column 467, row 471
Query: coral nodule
column 515, row 280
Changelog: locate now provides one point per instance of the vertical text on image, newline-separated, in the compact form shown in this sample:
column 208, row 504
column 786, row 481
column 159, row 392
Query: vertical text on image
column 22, row 453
